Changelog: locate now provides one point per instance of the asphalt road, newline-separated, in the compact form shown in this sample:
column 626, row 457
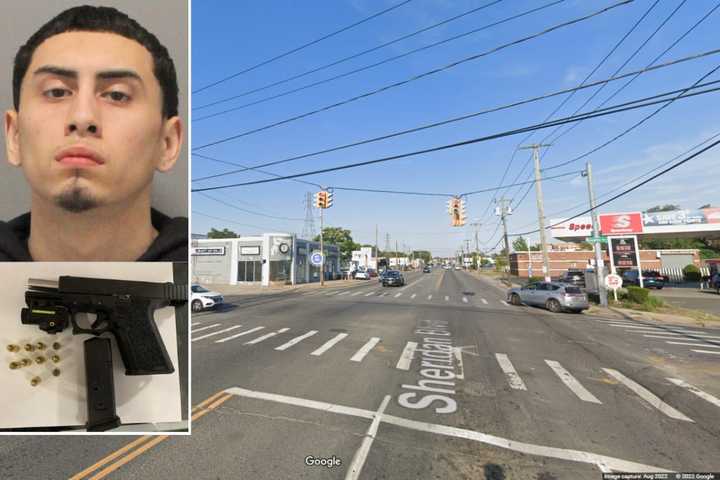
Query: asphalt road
column 704, row 300
column 491, row 391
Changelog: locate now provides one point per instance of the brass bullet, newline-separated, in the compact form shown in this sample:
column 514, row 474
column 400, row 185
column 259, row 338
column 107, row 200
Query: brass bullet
column 34, row 382
column 29, row 347
column 13, row 348
column 55, row 358
column 40, row 360
column 26, row 362
column 40, row 346
column 56, row 346
column 56, row 372
column 15, row 365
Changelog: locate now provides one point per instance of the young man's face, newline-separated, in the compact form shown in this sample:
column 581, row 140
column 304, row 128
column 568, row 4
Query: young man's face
column 89, row 131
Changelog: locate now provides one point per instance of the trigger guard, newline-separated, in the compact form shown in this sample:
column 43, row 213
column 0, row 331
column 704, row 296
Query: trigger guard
column 92, row 331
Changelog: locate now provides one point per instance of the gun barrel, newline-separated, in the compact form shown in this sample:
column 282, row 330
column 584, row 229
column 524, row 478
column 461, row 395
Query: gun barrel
column 174, row 294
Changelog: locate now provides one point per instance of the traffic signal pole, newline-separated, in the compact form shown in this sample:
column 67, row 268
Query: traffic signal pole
column 322, row 251
column 599, row 270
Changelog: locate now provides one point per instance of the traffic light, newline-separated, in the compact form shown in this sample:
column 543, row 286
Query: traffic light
column 328, row 199
column 323, row 199
column 462, row 216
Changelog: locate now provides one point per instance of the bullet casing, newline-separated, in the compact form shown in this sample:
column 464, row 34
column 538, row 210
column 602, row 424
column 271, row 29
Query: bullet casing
column 35, row 381
column 13, row 348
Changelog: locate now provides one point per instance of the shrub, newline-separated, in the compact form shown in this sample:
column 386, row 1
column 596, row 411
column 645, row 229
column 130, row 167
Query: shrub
column 535, row 279
column 691, row 273
column 637, row 294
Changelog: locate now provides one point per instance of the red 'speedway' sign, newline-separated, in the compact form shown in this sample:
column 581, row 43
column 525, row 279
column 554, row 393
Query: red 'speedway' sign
column 621, row 223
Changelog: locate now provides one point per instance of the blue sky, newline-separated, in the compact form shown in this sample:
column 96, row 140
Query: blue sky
column 230, row 36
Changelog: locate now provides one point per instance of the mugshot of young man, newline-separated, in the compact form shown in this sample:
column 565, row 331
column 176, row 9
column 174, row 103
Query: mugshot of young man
column 95, row 115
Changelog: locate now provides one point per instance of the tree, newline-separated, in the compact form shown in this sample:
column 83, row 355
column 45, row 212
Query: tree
column 663, row 208
column 224, row 233
column 520, row 245
column 536, row 248
column 425, row 255
column 342, row 238
column 586, row 246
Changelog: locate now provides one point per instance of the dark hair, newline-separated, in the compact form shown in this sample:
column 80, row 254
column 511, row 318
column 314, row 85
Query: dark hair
column 103, row 19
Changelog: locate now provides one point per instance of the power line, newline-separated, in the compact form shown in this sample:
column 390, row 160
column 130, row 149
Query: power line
column 352, row 57
column 606, row 111
column 625, row 192
column 415, row 77
column 256, row 169
column 360, row 69
column 457, row 119
column 252, row 212
column 301, row 47
column 261, row 229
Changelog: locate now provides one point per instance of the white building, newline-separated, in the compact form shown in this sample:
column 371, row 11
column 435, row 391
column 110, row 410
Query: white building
column 364, row 259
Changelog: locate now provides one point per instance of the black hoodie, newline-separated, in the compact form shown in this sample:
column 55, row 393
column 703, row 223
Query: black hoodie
column 171, row 244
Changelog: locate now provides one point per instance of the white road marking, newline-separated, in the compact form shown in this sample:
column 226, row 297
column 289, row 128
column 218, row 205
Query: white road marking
column 195, row 339
column 361, row 455
column 232, row 337
column 647, row 395
column 407, row 356
column 358, row 357
column 447, row 298
column 398, row 294
column 413, row 296
column 484, row 301
column 368, row 294
column 295, row 340
column 329, row 344
column 512, row 376
column 634, row 327
column 356, row 294
column 343, row 293
column 704, row 395
column 196, row 323
column 329, row 294
column 666, row 336
column 465, row 300
column 206, row 328
column 572, row 383
column 457, row 351
column 702, row 335
column 265, row 337
column 382, row 294
column 429, row 297
column 693, row 344
column 505, row 303
column 706, row 351
column 610, row 463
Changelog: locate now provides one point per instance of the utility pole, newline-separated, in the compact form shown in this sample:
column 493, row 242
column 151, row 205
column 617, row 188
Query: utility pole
column 376, row 245
column 599, row 270
column 477, row 244
column 541, row 210
column 504, row 210
column 397, row 259
column 322, row 251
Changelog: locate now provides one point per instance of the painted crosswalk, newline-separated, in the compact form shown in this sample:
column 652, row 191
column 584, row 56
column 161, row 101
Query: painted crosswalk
column 325, row 347
column 405, row 294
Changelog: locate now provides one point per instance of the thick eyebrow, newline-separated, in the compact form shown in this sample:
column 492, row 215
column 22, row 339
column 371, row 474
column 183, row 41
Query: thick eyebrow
column 103, row 75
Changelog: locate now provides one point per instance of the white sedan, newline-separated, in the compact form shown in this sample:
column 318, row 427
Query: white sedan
column 202, row 298
column 362, row 275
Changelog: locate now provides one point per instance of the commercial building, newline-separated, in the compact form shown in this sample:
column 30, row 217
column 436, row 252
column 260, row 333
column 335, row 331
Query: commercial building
column 267, row 259
column 363, row 259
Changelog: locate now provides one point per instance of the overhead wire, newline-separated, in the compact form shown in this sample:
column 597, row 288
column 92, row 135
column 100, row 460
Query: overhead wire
column 459, row 118
column 415, row 77
column 252, row 212
column 301, row 47
column 606, row 111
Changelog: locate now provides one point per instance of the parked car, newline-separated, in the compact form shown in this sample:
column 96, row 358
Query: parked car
column 203, row 299
column 393, row 277
column 427, row 270
column 650, row 279
column 554, row 296
column 372, row 272
column 458, row 267
column 362, row 275
column 574, row 277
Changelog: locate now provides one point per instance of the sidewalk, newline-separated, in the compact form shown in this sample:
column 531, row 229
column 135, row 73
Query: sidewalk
column 274, row 289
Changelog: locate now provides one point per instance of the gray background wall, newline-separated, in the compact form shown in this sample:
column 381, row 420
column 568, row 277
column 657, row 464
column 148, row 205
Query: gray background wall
column 167, row 19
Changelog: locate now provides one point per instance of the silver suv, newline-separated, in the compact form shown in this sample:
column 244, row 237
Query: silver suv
column 554, row 296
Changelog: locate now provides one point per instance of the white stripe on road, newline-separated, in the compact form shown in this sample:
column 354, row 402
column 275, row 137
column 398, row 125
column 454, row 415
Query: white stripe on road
column 368, row 294
column 361, row 455
column 706, row 351
column 329, row 344
column 358, row 357
column 206, row 328
column 232, row 337
column 505, row 303
column 265, row 337
column 331, row 293
column 195, row 339
column 407, row 356
column 512, row 376
column 694, row 344
column 634, row 326
column 295, row 340
column 447, row 298
column 484, row 301
column 413, row 296
column 382, row 294
column 343, row 293
column 609, row 463
column 702, row 335
column 647, row 395
column 356, row 294
column 465, row 300
column 429, row 297
column 398, row 294
column 572, row 383
column 666, row 336
column 196, row 323
column 704, row 395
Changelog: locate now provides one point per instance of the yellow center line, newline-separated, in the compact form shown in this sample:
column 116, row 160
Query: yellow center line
column 437, row 285
column 143, row 443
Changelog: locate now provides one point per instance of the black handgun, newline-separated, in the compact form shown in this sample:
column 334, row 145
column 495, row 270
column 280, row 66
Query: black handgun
column 124, row 308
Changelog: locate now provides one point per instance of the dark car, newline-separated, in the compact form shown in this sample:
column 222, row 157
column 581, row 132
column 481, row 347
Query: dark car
column 650, row 279
column 393, row 277
column 426, row 270
column 574, row 277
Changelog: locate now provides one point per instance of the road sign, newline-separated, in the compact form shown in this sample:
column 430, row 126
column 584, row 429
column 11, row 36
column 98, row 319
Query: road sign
column 613, row 281
column 600, row 239
column 316, row 259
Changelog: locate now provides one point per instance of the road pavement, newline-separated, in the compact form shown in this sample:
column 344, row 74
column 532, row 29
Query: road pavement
column 704, row 300
column 438, row 379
